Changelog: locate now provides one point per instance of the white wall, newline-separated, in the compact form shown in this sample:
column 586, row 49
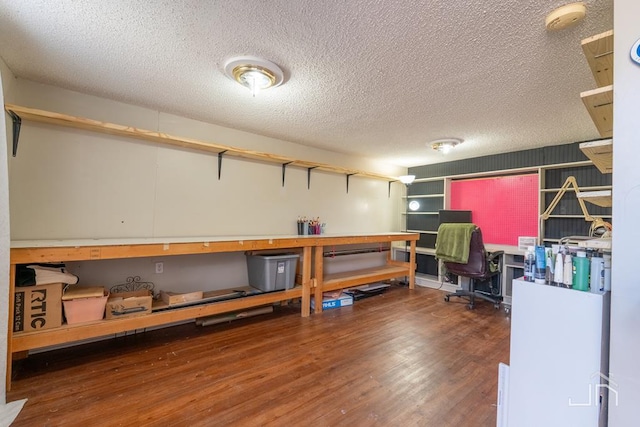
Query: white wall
column 625, row 295
column 74, row 184
column 6, row 86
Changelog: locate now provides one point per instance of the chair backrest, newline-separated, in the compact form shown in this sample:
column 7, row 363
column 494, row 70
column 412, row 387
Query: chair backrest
column 477, row 266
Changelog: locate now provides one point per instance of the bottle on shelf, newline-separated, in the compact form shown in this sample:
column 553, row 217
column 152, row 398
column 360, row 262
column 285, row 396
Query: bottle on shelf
column 567, row 278
column 558, row 273
column 529, row 264
column 581, row 271
column 596, row 277
column 540, row 265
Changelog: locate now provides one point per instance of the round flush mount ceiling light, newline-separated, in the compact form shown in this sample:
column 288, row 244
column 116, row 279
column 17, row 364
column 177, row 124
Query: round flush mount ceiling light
column 445, row 145
column 565, row 16
column 254, row 73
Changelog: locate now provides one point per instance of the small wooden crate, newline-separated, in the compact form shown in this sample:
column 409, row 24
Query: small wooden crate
column 173, row 298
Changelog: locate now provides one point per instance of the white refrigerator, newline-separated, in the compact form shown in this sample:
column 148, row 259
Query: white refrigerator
column 559, row 360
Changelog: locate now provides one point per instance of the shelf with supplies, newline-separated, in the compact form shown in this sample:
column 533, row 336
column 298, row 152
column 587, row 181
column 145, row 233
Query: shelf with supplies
column 568, row 217
column 61, row 251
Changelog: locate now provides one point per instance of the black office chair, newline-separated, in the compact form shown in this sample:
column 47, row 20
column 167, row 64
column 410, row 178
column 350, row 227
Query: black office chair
column 483, row 270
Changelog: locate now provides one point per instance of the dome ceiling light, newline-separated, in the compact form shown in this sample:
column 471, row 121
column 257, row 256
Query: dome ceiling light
column 254, row 73
column 445, row 145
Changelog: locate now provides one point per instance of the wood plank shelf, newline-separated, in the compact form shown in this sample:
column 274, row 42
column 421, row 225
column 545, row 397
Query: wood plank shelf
column 599, row 104
column 69, row 333
column 600, row 153
column 74, row 122
column 598, row 50
column 599, row 198
column 361, row 277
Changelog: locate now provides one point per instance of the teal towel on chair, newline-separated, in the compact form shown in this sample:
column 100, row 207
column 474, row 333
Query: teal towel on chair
column 452, row 243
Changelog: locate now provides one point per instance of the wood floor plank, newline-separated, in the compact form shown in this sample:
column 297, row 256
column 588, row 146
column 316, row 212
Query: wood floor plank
column 405, row 357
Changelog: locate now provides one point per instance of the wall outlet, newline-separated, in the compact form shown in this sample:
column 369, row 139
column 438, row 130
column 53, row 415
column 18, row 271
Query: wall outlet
column 159, row 267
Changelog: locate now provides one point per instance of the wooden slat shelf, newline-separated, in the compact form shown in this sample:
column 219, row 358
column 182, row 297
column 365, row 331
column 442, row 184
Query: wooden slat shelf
column 599, row 198
column 65, row 120
column 598, row 50
column 599, row 104
column 600, row 153
column 70, row 333
column 361, row 277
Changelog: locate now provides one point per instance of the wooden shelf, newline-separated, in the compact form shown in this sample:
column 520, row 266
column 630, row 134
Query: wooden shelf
column 360, row 277
column 70, row 333
column 599, row 198
column 600, row 153
column 74, row 122
column 599, row 103
column 598, row 50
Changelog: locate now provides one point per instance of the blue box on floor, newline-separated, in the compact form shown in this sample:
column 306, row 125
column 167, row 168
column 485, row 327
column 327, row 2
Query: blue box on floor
column 329, row 303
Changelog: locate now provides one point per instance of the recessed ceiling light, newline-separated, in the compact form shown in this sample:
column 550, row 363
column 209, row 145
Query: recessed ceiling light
column 565, row 16
column 254, row 73
column 445, row 145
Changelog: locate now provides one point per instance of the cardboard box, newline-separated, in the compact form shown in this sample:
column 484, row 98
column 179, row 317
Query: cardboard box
column 329, row 303
column 129, row 304
column 80, row 310
column 37, row 307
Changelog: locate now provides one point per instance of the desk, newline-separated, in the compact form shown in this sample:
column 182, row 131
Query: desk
column 55, row 251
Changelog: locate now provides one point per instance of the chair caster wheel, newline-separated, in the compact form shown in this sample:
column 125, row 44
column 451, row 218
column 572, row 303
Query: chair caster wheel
column 496, row 306
column 469, row 306
column 446, row 298
column 507, row 310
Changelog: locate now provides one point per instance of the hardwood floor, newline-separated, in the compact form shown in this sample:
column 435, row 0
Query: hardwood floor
column 403, row 358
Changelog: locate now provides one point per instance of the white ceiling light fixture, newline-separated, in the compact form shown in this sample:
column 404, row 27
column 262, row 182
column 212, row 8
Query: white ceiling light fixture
column 407, row 179
column 445, row 145
column 254, row 73
column 565, row 16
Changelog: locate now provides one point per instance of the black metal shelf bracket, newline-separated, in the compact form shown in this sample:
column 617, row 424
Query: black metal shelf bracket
column 348, row 175
column 17, row 122
column 220, row 154
column 284, row 168
column 309, row 176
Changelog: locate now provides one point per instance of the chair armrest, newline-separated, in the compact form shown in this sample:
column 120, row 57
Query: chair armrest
column 491, row 256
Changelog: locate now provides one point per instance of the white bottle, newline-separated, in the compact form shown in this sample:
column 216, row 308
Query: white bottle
column 558, row 272
column 607, row 272
column 596, row 277
column 529, row 263
column 567, row 277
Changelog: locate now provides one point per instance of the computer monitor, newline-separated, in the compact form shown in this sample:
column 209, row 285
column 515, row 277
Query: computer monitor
column 449, row 215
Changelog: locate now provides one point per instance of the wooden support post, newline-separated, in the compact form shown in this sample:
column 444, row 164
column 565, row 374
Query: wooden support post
column 307, row 282
column 319, row 277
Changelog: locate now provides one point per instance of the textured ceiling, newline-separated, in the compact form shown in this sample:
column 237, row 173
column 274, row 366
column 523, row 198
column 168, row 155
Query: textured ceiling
column 376, row 78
